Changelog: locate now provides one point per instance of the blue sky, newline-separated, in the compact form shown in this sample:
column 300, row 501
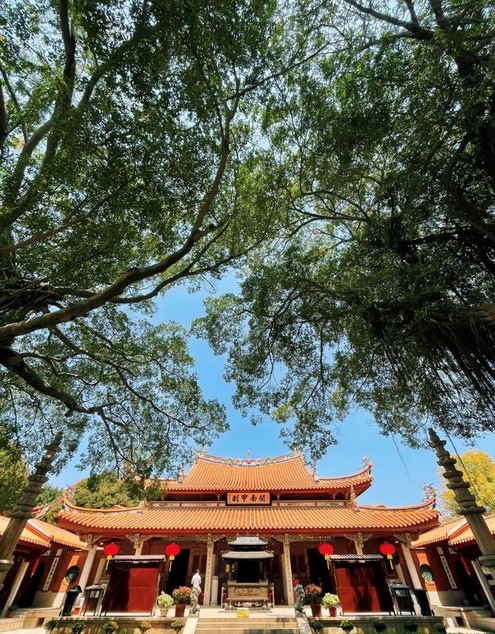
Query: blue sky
column 399, row 472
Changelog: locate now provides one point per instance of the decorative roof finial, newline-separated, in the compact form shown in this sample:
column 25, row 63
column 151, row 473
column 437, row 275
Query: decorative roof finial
column 181, row 474
column 316, row 478
column 430, row 494
column 367, row 463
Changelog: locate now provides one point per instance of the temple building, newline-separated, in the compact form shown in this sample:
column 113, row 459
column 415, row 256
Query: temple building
column 457, row 583
column 268, row 522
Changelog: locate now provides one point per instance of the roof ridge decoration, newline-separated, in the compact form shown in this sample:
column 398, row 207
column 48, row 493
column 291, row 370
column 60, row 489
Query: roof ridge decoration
column 426, row 504
column 68, row 505
column 247, row 462
column 365, row 470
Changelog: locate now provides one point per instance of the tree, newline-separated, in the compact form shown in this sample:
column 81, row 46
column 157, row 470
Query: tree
column 478, row 468
column 381, row 294
column 104, row 491
column 132, row 162
column 13, row 476
column 49, row 504
column 49, row 494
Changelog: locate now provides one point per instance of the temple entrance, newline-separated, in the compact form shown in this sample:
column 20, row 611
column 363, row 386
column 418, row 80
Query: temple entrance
column 177, row 572
column 318, row 570
column 133, row 583
column 31, row 588
column 467, row 583
column 362, row 586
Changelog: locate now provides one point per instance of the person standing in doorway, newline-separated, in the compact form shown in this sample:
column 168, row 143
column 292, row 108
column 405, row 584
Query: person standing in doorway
column 196, row 581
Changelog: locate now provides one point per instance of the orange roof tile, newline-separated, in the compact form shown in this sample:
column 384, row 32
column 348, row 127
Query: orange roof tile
column 466, row 535
column 28, row 535
column 57, row 535
column 439, row 533
column 455, row 532
column 307, row 518
column 283, row 473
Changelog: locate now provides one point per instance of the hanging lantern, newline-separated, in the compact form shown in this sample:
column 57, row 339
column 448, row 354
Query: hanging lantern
column 172, row 550
column 387, row 549
column 326, row 549
column 111, row 550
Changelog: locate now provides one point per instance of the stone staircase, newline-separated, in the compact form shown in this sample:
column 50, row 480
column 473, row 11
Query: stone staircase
column 254, row 624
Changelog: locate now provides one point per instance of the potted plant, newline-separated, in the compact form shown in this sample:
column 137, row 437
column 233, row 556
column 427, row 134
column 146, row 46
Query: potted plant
column 410, row 625
column 330, row 601
column 51, row 625
column 347, row 626
column 181, row 596
column 177, row 625
column 142, row 626
column 316, row 626
column 109, row 627
column 164, row 602
column 379, row 625
column 312, row 592
column 77, row 627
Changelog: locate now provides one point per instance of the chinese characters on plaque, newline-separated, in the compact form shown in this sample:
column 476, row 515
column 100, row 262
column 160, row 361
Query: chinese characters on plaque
column 248, row 498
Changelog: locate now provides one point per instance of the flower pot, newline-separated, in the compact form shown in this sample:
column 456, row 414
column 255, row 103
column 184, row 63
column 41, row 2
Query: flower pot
column 180, row 608
column 332, row 609
column 316, row 609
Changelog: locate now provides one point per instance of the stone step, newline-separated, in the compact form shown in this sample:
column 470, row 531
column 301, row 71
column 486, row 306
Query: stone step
column 235, row 625
column 250, row 630
column 250, row 625
column 280, row 622
column 246, row 629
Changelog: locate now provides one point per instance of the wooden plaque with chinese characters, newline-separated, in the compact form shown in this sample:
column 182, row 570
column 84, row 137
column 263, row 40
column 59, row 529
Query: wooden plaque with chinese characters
column 246, row 498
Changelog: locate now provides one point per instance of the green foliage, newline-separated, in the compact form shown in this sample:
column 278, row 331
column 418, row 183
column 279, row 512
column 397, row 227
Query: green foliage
column 51, row 499
column 347, row 625
column 110, row 626
column 381, row 294
column 164, row 601
column 133, row 161
column 379, row 625
column 77, row 627
column 103, row 491
column 49, row 494
column 51, row 625
column 13, row 477
column 330, row 600
column 479, row 470
column 177, row 624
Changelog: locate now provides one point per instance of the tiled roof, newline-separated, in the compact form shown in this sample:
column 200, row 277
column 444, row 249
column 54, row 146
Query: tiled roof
column 438, row 534
column 455, row 532
column 228, row 519
column 57, row 535
column 28, row 536
column 284, row 473
column 466, row 535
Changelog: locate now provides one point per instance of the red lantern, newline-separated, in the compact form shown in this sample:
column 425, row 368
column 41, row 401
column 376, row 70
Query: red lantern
column 387, row 549
column 172, row 550
column 326, row 549
column 111, row 550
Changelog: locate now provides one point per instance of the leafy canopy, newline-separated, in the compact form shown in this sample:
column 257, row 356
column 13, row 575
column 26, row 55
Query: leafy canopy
column 379, row 293
column 132, row 160
column 478, row 469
